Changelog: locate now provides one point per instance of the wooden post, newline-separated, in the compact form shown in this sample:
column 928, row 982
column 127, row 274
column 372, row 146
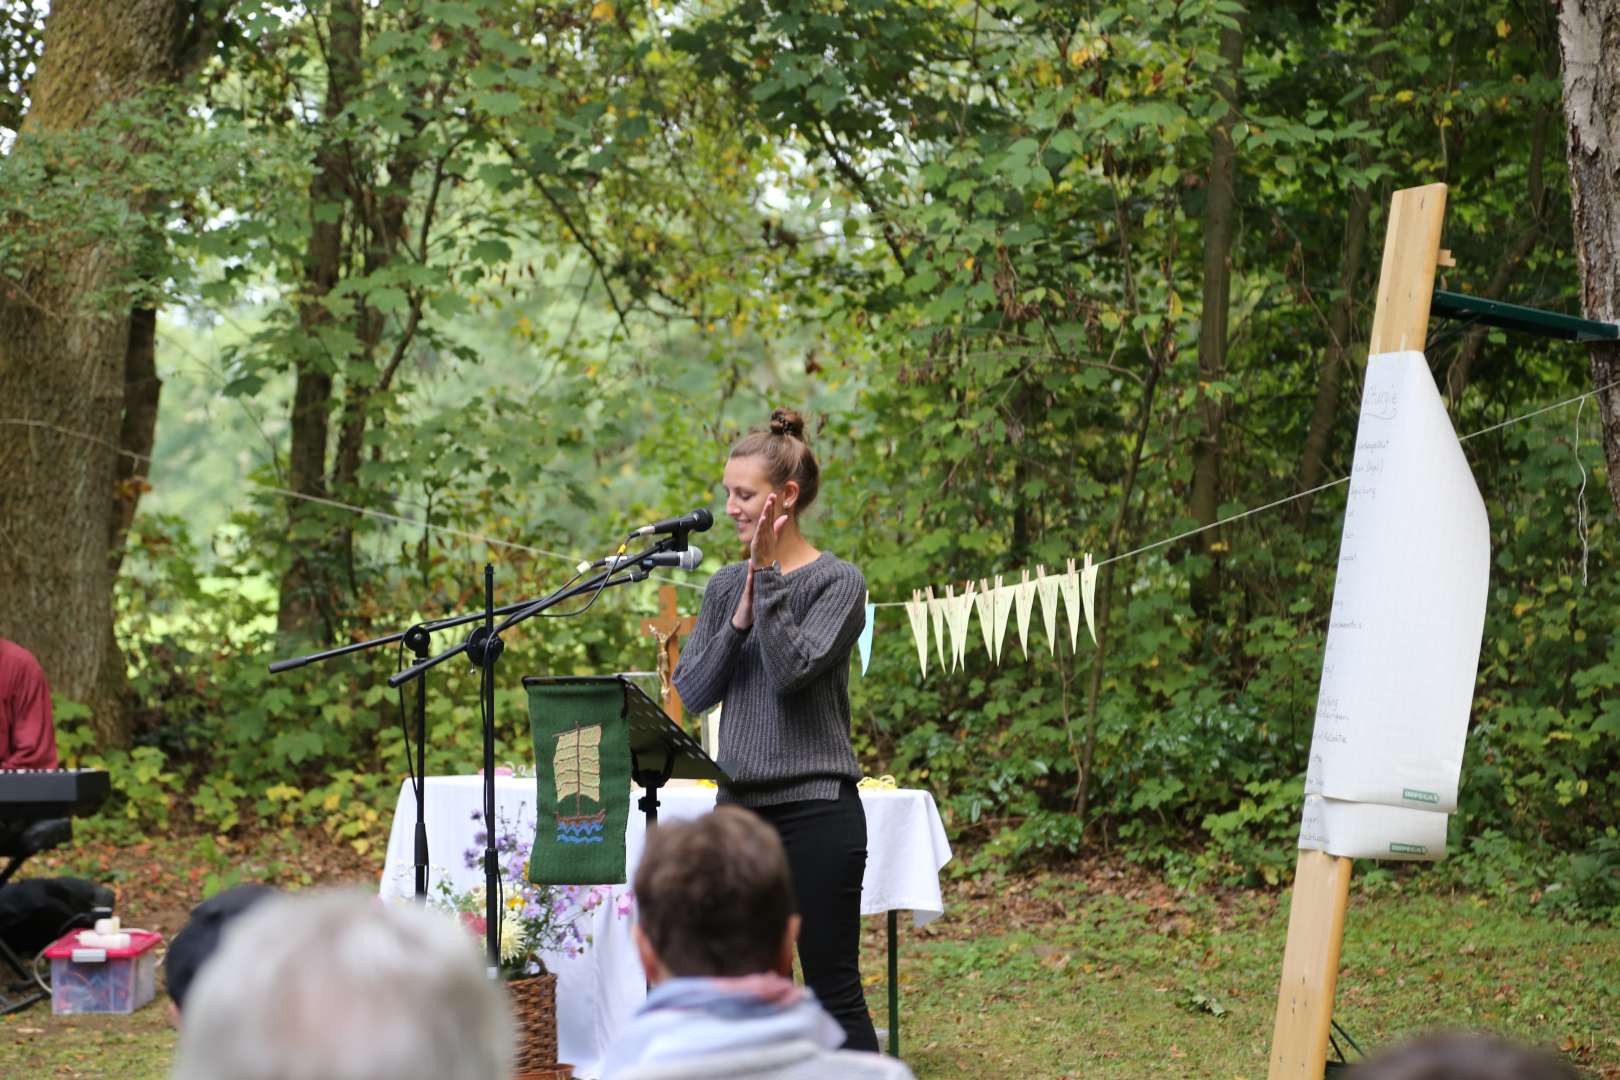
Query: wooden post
column 1310, row 969
column 668, row 629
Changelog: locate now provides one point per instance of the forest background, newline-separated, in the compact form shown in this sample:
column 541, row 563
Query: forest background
column 1050, row 278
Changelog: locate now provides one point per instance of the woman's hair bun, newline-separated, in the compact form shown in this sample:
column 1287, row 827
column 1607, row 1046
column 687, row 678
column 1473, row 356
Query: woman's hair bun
column 787, row 422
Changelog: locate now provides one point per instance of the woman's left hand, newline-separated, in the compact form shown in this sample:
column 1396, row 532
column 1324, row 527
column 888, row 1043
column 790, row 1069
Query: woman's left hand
column 767, row 531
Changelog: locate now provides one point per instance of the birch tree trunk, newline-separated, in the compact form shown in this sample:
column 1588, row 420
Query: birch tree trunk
column 1589, row 52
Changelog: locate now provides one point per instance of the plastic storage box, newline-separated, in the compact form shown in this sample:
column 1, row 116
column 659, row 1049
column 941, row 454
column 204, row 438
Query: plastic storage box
column 90, row 980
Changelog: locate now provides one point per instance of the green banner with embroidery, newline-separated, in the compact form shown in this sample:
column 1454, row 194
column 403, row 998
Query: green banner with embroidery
column 582, row 781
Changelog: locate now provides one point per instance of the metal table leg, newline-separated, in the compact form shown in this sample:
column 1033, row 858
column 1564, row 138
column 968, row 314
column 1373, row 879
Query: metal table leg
column 894, row 985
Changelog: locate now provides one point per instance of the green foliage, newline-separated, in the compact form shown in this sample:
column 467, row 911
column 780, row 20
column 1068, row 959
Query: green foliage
column 970, row 241
column 1253, row 840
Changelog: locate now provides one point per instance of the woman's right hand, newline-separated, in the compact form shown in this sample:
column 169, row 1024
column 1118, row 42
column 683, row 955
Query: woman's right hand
column 743, row 617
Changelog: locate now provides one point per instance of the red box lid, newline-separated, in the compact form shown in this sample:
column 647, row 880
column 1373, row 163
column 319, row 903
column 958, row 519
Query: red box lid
column 139, row 942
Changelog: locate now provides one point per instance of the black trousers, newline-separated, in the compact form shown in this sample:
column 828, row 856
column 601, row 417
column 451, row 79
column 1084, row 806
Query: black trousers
column 826, row 850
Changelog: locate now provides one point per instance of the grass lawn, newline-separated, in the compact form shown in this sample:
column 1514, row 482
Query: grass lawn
column 1095, row 972
column 1119, row 985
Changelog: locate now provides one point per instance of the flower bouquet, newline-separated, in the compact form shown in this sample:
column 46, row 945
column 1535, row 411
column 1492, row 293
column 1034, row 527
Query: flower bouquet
column 535, row 919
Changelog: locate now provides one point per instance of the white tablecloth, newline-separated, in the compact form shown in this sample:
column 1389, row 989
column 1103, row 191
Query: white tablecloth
column 598, row 991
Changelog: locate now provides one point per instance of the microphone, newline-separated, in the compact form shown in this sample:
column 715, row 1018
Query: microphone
column 698, row 520
column 683, row 560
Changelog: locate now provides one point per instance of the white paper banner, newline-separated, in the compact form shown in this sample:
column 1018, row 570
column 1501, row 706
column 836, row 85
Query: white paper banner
column 1004, row 607
column 984, row 604
column 917, row 612
column 1372, row 831
column 1047, row 587
column 1408, row 603
column 936, row 612
column 1070, row 584
column 1024, row 594
column 958, row 612
column 1088, row 593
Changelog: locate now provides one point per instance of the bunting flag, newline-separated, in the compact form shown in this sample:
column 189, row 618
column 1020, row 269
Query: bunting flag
column 959, row 611
column 984, row 602
column 864, row 643
column 1024, row 594
column 1070, row 584
column 1003, row 608
column 1088, row 592
column 936, row 613
column 1072, row 591
column 917, row 612
column 1047, row 586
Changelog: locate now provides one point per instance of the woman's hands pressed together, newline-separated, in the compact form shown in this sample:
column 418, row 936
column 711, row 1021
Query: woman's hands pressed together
column 743, row 617
column 761, row 553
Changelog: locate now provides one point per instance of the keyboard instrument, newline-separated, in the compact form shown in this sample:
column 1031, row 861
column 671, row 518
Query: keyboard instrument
column 34, row 794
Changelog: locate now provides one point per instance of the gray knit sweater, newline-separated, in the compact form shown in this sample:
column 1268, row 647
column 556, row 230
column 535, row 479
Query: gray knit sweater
column 784, row 682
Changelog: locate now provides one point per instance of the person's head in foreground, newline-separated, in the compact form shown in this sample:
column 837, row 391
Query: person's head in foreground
column 1464, row 1057
column 339, row 986
column 716, row 933
column 715, row 899
column 198, row 940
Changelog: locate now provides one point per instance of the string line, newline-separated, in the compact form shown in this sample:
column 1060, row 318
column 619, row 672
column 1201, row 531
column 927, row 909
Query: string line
column 1322, row 487
column 1580, row 499
column 337, row 504
column 514, row 546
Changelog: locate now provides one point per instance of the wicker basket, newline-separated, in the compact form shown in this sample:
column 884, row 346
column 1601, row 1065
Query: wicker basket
column 534, row 1008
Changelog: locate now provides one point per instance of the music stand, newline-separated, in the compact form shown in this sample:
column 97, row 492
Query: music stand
column 660, row 751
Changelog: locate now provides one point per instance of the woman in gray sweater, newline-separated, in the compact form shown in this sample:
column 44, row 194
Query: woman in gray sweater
column 772, row 644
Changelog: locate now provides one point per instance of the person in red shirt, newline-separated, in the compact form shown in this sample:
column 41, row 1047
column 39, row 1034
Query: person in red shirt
column 27, row 736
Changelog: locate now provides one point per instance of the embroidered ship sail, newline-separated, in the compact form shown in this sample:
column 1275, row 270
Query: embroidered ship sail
column 577, row 771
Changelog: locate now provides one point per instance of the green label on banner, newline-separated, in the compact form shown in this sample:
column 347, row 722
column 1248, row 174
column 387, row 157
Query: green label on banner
column 582, row 783
column 1414, row 795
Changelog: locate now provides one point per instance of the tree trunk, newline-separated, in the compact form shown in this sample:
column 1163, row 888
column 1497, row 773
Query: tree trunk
column 142, row 388
column 308, row 586
column 1340, row 349
column 1462, row 366
column 1589, row 51
column 64, row 368
column 1105, row 581
column 1220, row 226
column 1344, row 345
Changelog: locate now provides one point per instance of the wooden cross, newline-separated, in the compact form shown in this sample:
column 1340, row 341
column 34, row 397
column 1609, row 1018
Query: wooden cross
column 668, row 629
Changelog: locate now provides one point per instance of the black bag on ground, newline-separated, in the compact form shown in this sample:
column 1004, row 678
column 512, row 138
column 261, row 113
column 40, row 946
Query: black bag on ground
column 36, row 911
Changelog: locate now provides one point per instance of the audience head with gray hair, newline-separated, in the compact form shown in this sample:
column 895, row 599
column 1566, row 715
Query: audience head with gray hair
column 338, row 986
column 1464, row 1057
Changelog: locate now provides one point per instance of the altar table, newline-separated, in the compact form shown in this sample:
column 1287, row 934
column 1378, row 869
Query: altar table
column 600, row 989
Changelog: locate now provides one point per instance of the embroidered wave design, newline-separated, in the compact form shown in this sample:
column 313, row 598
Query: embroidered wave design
column 580, row 832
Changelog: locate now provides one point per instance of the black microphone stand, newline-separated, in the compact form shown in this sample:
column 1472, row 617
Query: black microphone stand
column 483, row 648
column 418, row 639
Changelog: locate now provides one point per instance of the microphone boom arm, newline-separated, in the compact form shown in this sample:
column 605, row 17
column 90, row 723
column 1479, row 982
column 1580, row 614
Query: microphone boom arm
column 526, row 609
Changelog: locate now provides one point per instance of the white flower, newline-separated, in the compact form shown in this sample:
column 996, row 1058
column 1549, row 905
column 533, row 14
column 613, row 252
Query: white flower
column 512, row 943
